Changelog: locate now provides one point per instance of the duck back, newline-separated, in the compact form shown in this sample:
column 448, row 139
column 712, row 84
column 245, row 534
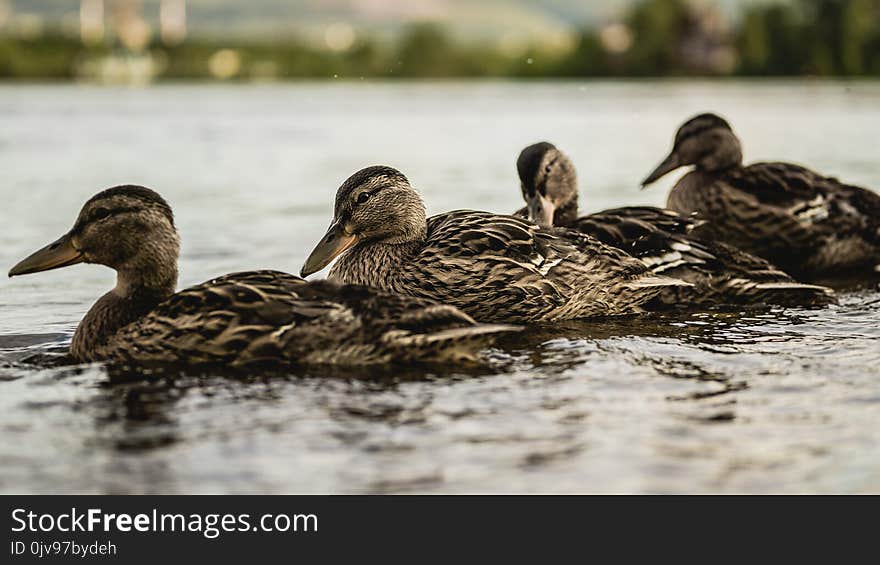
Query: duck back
column 803, row 222
column 504, row 269
column 273, row 317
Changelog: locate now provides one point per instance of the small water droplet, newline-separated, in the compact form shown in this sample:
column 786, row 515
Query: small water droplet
column 530, row 61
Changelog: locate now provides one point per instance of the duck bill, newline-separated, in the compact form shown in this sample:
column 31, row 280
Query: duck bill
column 334, row 243
column 59, row 253
column 541, row 210
column 667, row 166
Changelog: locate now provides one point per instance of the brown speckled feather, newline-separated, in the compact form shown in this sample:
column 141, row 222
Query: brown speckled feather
column 721, row 274
column 503, row 268
column 805, row 223
column 269, row 316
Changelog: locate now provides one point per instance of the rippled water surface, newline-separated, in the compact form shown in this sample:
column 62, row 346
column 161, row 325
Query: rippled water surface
column 768, row 401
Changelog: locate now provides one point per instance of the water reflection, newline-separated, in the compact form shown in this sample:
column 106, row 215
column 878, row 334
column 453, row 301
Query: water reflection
column 140, row 411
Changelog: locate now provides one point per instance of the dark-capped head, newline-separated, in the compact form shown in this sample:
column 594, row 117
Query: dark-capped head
column 376, row 204
column 124, row 227
column 548, row 181
column 705, row 141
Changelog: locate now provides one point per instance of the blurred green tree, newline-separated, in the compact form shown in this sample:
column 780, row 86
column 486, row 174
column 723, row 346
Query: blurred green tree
column 657, row 27
column 770, row 41
column 652, row 38
column 588, row 58
column 425, row 50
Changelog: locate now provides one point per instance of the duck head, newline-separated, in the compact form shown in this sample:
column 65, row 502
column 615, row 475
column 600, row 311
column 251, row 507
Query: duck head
column 548, row 181
column 374, row 205
column 706, row 142
column 127, row 228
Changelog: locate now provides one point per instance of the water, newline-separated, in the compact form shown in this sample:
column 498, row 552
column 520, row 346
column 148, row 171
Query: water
column 778, row 401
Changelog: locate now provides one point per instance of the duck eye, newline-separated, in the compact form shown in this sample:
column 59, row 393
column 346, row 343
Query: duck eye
column 363, row 197
column 547, row 169
column 100, row 213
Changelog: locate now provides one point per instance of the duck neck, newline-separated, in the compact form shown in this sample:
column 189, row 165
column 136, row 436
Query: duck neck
column 140, row 286
column 146, row 280
column 375, row 263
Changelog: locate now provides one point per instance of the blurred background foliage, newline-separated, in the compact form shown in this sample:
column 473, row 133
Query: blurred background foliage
column 642, row 38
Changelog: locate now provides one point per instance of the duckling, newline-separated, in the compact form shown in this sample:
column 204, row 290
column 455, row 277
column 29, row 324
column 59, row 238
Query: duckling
column 660, row 238
column 495, row 268
column 808, row 224
column 240, row 318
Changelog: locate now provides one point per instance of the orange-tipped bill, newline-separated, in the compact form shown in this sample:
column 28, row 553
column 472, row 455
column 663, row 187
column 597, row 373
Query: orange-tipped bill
column 541, row 209
column 335, row 242
column 60, row 253
column 668, row 165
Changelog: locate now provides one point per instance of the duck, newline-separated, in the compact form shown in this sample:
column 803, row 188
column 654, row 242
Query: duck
column 495, row 268
column 810, row 225
column 663, row 239
column 241, row 318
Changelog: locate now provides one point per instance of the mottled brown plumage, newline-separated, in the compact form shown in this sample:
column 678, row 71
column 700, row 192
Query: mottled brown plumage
column 662, row 239
column 270, row 317
column 808, row 224
column 495, row 268
column 241, row 318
